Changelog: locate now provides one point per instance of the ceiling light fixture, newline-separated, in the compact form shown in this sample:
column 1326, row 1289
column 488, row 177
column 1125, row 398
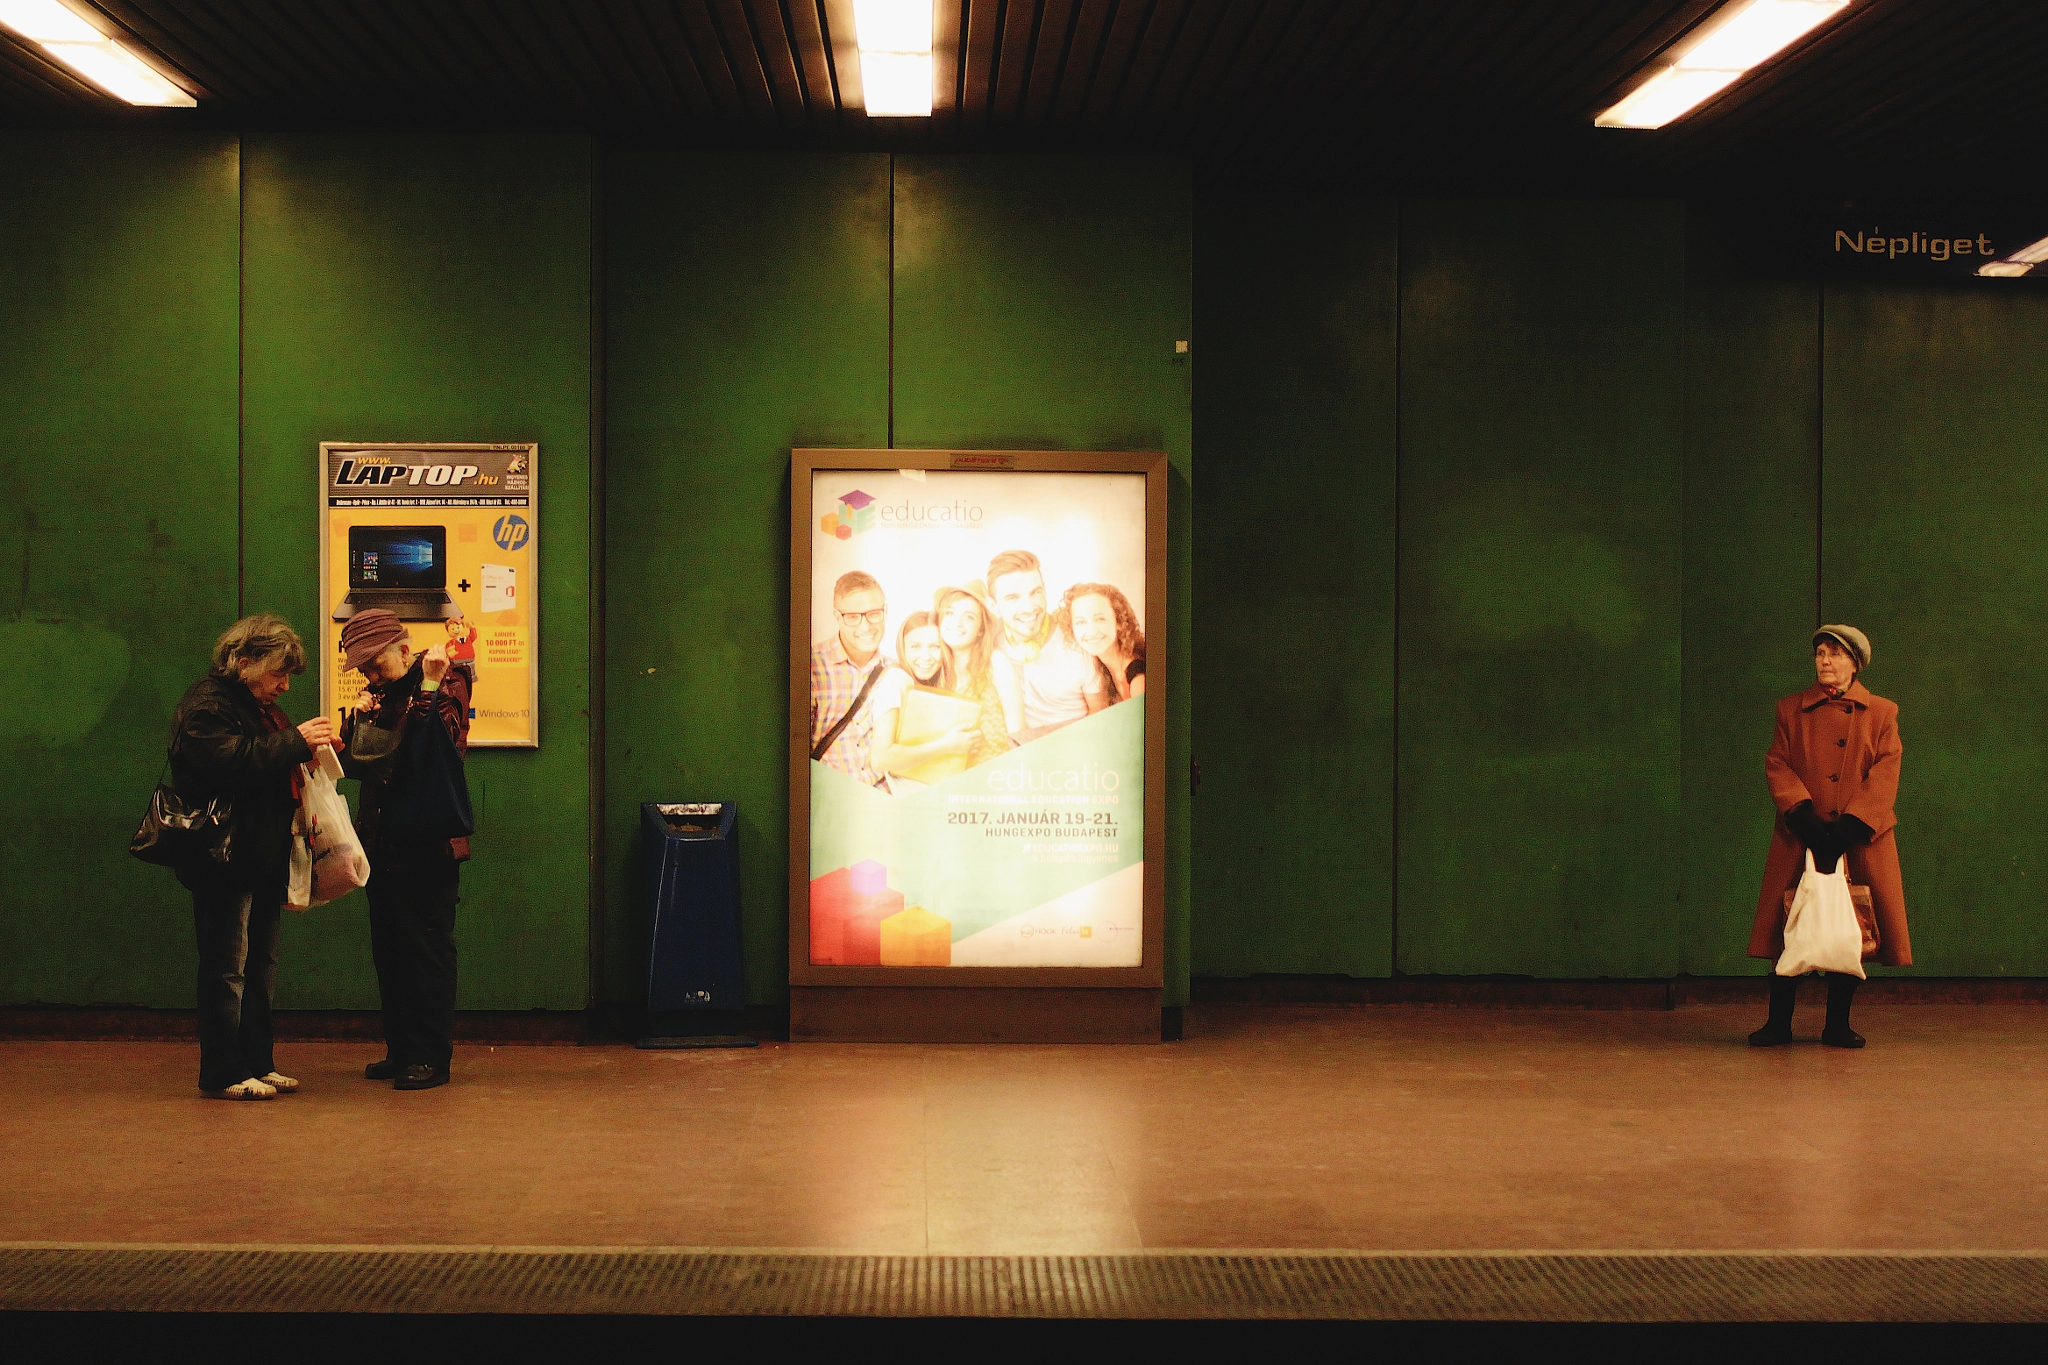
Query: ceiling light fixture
column 895, row 40
column 1717, row 54
column 70, row 38
column 2021, row 262
column 2032, row 255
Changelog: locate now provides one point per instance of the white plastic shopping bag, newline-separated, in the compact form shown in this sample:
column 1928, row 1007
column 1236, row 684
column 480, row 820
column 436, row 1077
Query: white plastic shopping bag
column 336, row 863
column 1821, row 932
column 298, row 887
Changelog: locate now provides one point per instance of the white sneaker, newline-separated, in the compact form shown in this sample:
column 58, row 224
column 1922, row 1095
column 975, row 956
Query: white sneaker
column 251, row 1089
column 283, row 1085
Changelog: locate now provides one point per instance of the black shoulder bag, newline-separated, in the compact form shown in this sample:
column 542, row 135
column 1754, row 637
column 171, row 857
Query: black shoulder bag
column 824, row 746
column 177, row 833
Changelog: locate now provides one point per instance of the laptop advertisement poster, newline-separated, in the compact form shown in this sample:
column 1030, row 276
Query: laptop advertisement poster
column 447, row 538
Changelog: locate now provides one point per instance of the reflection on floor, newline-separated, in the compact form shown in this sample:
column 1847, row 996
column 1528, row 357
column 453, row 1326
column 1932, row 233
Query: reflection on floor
column 1269, row 1127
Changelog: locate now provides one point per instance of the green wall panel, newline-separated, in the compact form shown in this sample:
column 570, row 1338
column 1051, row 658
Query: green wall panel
column 1935, row 519
column 1037, row 303
column 1599, row 547
column 1752, row 469
column 117, row 536
column 748, row 314
column 1294, row 711
column 1541, row 432
column 434, row 288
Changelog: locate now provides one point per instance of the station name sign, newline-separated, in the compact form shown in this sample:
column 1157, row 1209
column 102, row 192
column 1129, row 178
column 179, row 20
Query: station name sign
column 1995, row 248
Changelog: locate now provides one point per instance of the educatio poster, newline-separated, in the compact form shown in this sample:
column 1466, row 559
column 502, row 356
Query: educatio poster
column 977, row 718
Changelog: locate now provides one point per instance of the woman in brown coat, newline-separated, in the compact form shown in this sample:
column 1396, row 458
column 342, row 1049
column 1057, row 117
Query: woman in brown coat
column 1833, row 769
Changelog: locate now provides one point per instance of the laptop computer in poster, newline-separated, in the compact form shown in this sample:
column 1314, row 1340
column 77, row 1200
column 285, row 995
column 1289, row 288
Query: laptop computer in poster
column 403, row 569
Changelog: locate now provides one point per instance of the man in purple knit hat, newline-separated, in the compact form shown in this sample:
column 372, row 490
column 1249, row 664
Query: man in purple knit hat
column 406, row 741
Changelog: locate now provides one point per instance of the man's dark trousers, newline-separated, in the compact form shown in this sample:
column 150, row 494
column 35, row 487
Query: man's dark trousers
column 412, row 941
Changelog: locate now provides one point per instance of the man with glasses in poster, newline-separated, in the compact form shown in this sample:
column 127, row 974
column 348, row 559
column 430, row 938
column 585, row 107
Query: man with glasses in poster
column 844, row 670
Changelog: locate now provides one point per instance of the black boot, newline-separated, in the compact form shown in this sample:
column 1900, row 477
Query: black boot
column 1841, row 994
column 1778, row 1029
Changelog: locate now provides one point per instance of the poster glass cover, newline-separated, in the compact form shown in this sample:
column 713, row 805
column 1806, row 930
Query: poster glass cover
column 447, row 537
column 977, row 773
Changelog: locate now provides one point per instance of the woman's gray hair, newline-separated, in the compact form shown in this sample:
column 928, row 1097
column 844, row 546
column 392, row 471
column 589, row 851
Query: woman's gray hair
column 264, row 642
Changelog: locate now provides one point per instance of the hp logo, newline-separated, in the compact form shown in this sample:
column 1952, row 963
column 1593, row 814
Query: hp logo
column 510, row 532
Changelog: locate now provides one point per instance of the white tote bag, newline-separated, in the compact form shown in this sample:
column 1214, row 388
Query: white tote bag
column 1821, row 933
column 335, row 863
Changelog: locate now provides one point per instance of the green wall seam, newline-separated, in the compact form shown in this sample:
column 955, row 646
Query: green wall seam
column 594, row 829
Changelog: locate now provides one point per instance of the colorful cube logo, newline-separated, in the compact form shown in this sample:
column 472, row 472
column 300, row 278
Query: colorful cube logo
column 856, row 514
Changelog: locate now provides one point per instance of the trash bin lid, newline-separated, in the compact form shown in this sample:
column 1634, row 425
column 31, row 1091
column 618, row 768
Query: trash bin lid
column 691, row 819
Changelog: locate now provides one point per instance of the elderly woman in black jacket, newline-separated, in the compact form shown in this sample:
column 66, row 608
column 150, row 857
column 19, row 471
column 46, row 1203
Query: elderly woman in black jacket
column 230, row 739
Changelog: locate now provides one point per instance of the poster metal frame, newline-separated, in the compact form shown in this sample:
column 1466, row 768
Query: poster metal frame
column 1151, row 971
column 532, row 451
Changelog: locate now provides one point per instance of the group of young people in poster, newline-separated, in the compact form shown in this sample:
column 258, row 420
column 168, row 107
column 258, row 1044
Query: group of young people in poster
column 991, row 664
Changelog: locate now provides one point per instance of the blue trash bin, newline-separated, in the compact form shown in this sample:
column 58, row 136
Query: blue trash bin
column 692, row 870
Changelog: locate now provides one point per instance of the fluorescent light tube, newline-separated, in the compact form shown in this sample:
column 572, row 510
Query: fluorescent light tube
column 2032, row 255
column 895, row 40
column 893, row 25
column 2004, row 268
column 1756, row 32
column 1741, row 37
column 69, row 38
column 1665, row 96
column 897, row 84
column 119, row 72
column 46, row 21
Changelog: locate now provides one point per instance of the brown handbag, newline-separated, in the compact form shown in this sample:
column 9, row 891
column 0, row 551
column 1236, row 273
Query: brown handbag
column 1866, row 916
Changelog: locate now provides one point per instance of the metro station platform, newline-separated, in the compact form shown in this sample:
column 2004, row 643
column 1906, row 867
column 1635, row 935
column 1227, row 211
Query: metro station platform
column 1377, row 1165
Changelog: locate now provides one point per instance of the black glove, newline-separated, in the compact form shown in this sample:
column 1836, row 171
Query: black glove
column 1821, row 837
column 1843, row 833
column 1806, row 825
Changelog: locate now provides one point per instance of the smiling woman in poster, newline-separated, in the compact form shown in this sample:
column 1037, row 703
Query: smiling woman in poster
column 976, row 670
column 1097, row 619
column 1833, row 769
column 923, row 661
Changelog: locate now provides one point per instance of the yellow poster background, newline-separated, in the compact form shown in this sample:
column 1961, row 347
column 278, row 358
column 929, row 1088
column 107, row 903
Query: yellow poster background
column 491, row 532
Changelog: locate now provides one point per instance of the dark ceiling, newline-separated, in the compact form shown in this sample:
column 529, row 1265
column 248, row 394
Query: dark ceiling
column 1344, row 93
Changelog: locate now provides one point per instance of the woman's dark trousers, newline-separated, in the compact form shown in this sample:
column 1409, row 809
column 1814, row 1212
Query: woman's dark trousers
column 237, row 935
column 412, row 941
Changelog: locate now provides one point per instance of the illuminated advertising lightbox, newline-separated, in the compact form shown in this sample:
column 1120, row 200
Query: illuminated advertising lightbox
column 446, row 537
column 980, row 657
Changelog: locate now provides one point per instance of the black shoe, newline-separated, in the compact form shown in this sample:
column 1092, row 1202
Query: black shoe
column 420, row 1076
column 385, row 1070
column 1845, row 1037
column 1772, row 1035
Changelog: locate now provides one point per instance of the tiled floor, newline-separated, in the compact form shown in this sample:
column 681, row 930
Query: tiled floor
column 1269, row 1127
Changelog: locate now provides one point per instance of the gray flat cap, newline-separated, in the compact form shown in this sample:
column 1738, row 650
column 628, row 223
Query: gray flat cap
column 1849, row 638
